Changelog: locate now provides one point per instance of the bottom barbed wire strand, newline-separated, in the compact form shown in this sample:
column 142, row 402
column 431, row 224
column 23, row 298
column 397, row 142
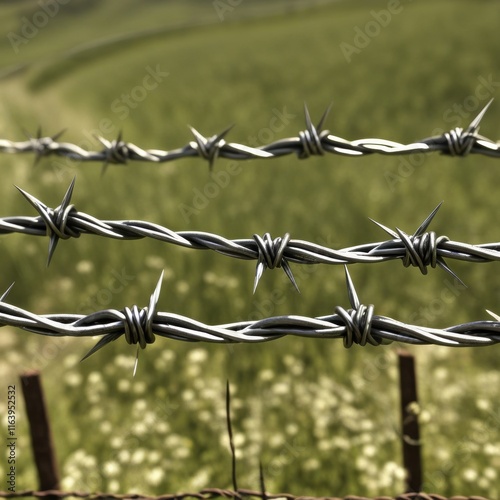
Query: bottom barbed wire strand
column 357, row 325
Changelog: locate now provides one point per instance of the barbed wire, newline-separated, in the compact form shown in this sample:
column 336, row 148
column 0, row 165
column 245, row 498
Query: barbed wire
column 421, row 249
column 357, row 325
column 210, row 493
column 312, row 141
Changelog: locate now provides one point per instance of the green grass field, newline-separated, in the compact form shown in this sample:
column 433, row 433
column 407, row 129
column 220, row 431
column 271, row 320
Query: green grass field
column 323, row 420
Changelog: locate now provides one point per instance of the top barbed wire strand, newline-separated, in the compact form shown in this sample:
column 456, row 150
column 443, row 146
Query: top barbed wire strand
column 311, row 141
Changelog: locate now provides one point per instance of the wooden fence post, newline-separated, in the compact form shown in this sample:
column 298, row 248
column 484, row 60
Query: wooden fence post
column 410, row 436
column 41, row 436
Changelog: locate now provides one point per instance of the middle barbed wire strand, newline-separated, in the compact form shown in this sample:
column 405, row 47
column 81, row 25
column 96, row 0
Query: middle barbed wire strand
column 422, row 249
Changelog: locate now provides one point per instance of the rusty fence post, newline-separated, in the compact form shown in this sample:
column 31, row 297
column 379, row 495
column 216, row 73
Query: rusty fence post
column 410, row 432
column 41, row 436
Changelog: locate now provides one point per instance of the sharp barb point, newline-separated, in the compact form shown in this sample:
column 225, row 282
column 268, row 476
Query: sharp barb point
column 442, row 264
column 324, row 117
column 104, row 341
column 353, row 296
column 493, row 315
column 389, row 231
column 136, row 361
column 474, row 125
column 309, row 124
column 4, row 295
column 259, row 270
column 288, row 271
column 422, row 228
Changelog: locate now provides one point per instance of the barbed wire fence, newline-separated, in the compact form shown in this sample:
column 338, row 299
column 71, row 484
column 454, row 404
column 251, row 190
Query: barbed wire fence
column 312, row 141
column 357, row 324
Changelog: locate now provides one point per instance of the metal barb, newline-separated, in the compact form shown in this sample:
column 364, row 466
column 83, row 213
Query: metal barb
column 271, row 255
column 353, row 296
column 4, row 295
column 421, row 248
column 474, row 124
column 311, row 138
column 138, row 326
column 209, row 148
column 55, row 220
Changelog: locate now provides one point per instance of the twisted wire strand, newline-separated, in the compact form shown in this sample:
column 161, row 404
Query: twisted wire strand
column 211, row 493
column 309, row 142
column 356, row 325
column 422, row 249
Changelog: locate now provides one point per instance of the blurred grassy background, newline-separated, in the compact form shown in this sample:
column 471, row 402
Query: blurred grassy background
column 323, row 420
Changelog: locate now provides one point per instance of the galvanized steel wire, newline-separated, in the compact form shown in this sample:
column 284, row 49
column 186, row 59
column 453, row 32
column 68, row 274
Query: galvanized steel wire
column 309, row 142
column 421, row 249
column 212, row 493
column 356, row 325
